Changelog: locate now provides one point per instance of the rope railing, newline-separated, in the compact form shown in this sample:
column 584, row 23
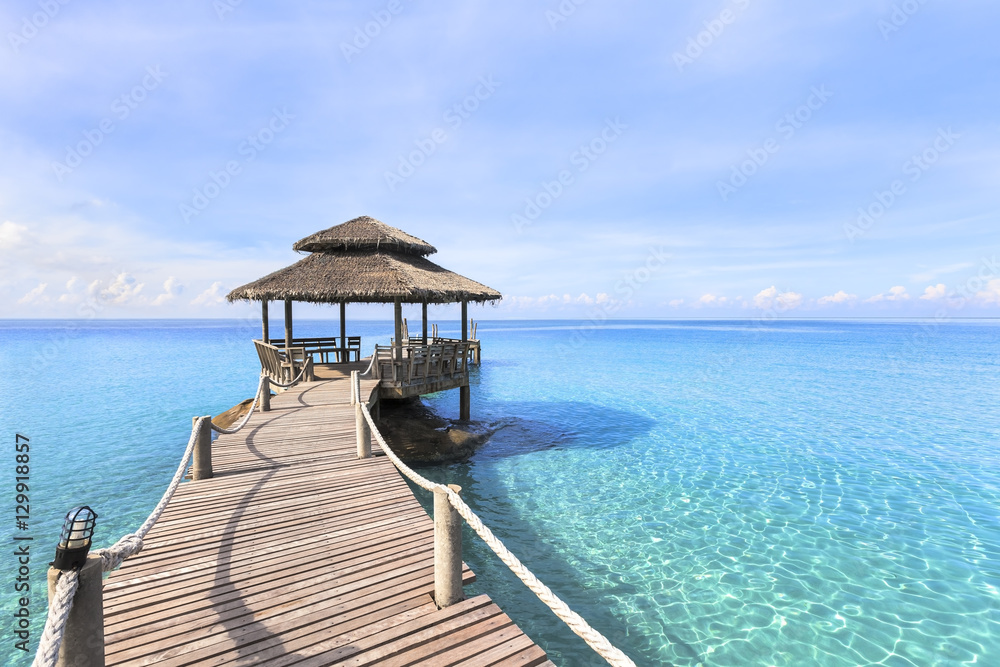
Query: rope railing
column 371, row 365
column 55, row 622
column 261, row 388
column 307, row 364
column 130, row 544
column 126, row 547
column 601, row 645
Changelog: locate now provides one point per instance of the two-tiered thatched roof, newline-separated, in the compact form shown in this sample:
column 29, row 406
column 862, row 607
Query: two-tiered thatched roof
column 364, row 261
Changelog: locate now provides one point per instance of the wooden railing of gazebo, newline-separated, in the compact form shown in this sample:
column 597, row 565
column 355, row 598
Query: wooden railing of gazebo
column 421, row 366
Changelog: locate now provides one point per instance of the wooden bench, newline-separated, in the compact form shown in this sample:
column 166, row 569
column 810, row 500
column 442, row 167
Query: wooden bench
column 280, row 365
column 326, row 347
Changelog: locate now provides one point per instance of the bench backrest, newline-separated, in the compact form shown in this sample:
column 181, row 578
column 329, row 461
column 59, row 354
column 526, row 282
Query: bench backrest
column 270, row 358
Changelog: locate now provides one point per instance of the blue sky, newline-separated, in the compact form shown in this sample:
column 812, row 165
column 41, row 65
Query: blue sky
column 627, row 159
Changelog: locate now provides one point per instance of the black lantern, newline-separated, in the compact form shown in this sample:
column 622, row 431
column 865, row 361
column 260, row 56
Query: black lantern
column 74, row 543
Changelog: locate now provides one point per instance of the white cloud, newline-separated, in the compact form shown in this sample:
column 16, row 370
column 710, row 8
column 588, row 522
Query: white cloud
column 171, row 288
column 213, row 296
column 585, row 299
column 990, row 295
column 770, row 298
column 839, row 297
column 790, row 300
column 123, row 290
column 73, row 289
column 11, row 235
column 35, row 295
column 765, row 298
column 712, row 300
column 517, row 302
column 676, row 303
column 934, row 292
column 897, row 293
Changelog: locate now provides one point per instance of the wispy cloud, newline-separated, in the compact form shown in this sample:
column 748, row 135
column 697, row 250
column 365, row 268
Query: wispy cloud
column 213, row 296
column 710, row 300
column 934, row 292
column 991, row 294
column 931, row 274
column 171, row 289
column 37, row 295
column 838, row 298
column 656, row 186
column 771, row 298
column 895, row 294
column 123, row 289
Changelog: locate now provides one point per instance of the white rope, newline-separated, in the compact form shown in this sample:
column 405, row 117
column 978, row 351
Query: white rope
column 576, row 623
column 132, row 543
column 55, row 623
column 129, row 545
column 295, row 381
column 371, row 365
column 246, row 418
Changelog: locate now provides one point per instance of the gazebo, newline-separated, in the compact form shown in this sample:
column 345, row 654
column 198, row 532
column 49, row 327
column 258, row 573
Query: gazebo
column 366, row 261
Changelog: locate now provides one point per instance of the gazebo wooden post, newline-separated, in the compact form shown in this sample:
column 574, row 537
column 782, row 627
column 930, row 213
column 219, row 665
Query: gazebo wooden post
column 423, row 326
column 288, row 323
column 343, row 332
column 464, row 395
column 397, row 346
column 263, row 319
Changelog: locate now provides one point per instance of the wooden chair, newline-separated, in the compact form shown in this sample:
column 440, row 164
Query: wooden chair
column 353, row 346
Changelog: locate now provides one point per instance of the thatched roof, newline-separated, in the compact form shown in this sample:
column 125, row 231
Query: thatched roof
column 360, row 276
column 364, row 233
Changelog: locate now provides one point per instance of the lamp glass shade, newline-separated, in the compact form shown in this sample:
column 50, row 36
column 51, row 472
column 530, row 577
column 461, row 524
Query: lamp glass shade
column 78, row 529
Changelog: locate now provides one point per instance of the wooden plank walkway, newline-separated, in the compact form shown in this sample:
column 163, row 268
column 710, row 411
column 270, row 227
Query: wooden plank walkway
column 298, row 553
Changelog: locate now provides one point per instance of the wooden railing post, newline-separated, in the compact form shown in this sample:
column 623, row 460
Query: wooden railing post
column 361, row 428
column 265, row 396
column 202, row 466
column 83, row 638
column 447, row 551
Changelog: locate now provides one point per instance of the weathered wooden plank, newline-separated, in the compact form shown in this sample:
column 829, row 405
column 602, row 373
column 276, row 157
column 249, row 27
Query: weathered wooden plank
column 298, row 553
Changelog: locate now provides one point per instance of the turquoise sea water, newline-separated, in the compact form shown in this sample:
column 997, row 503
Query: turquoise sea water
column 714, row 493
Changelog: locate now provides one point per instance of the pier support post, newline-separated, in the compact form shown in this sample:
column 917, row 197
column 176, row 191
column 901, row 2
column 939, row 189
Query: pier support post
column 83, row 640
column 464, row 403
column 265, row 396
column 361, row 428
column 201, row 468
column 447, row 551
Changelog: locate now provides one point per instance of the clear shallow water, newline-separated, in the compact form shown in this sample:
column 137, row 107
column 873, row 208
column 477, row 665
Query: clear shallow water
column 703, row 493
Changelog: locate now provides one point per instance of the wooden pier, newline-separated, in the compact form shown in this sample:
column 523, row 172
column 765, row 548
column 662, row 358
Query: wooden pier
column 297, row 552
